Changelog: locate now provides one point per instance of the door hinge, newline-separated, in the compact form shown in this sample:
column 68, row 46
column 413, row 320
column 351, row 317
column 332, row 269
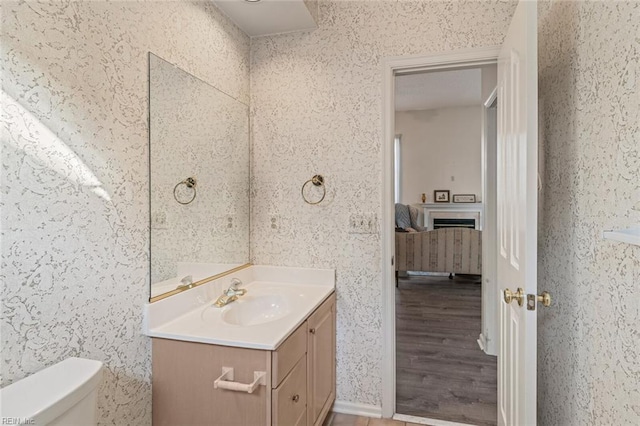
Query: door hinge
column 392, row 260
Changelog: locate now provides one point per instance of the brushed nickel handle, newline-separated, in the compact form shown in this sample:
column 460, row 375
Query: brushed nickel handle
column 312, row 330
column 296, row 398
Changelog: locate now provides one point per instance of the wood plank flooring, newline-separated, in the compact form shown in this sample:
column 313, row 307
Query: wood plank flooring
column 441, row 373
column 336, row 419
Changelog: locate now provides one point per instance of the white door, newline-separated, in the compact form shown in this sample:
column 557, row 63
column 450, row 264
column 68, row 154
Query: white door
column 517, row 217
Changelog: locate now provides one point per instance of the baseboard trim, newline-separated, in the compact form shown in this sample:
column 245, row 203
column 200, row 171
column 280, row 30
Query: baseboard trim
column 356, row 409
column 366, row 410
column 427, row 421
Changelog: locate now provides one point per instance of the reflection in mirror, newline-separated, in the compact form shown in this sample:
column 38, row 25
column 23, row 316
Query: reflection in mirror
column 199, row 179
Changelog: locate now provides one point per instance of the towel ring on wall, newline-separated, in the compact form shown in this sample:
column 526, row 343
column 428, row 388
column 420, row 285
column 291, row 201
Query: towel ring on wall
column 190, row 182
column 316, row 180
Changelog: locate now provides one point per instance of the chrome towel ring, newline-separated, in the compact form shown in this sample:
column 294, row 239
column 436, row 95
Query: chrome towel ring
column 316, row 180
column 190, row 182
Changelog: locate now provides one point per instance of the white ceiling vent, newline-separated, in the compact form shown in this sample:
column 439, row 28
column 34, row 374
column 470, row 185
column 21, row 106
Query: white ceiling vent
column 267, row 17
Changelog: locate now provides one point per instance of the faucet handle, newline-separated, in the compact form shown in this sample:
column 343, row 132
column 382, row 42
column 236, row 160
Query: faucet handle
column 186, row 282
column 235, row 282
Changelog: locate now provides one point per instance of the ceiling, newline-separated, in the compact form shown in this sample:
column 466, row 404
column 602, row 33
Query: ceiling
column 268, row 16
column 438, row 89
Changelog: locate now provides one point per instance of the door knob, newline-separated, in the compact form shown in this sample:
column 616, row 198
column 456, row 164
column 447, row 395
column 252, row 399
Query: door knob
column 544, row 298
column 510, row 296
column 532, row 299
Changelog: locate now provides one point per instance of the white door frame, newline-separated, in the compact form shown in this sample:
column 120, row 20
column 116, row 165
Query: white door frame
column 489, row 335
column 391, row 66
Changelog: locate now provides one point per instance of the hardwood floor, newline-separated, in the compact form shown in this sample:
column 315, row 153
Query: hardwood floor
column 336, row 419
column 441, row 373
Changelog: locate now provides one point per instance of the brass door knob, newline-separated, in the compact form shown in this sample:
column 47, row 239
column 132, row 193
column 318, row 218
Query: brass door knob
column 296, row 398
column 510, row 296
column 312, row 330
column 544, row 298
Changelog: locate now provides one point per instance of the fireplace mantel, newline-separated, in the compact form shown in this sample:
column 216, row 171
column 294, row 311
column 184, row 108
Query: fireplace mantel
column 453, row 210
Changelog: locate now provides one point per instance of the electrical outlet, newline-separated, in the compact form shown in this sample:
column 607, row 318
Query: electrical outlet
column 279, row 224
column 363, row 223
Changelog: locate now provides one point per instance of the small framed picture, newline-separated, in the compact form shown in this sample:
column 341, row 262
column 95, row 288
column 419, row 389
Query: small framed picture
column 441, row 196
column 464, row 198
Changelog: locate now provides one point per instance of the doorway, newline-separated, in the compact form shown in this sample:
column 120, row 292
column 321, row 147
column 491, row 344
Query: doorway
column 442, row 372
column 401, row 355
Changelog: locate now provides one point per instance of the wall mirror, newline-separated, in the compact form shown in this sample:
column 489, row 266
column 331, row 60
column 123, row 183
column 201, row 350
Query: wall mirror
column 199, row 180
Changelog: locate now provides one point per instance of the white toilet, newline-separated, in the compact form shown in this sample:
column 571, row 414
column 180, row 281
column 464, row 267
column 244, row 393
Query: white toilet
column 63, row 394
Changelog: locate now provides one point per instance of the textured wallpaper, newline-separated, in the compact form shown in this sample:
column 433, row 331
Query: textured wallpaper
column 75, row 172
column 196, row 131
column 316, row 108
column 75, row 235
column 589, row 340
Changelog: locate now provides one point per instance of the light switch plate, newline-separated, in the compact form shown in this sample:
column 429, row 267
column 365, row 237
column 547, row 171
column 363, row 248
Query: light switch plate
column 363, row 223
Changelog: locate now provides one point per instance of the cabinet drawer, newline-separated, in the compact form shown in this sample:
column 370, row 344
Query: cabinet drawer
column 290, row 398
column 183, row 392
column 287, row 355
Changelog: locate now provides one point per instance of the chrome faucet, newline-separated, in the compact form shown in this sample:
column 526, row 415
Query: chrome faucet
column 231, row 294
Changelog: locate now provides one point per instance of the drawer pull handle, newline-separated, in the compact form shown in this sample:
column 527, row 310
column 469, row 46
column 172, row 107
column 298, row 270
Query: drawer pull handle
column 296, row 398
column 225, row 381
column 312, row 330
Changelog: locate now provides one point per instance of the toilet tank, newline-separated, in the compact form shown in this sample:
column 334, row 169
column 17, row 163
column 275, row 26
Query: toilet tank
column 63, row 394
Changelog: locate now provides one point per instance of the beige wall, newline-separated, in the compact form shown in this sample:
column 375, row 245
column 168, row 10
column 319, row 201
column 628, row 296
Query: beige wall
column 588, row 340
column 75, row 226
column 316, row 101
column 441, row 149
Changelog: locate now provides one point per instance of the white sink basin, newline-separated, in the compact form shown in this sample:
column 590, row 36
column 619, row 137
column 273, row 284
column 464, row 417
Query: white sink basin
column 262, row 309
column 277, row 301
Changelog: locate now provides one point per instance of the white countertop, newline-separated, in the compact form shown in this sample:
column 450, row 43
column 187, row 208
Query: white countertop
column 291, row 295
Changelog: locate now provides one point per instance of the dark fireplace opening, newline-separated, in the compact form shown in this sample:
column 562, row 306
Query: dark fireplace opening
column 453, row 223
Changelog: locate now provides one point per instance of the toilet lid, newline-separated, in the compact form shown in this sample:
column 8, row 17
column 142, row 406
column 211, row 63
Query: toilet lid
column 47, row 394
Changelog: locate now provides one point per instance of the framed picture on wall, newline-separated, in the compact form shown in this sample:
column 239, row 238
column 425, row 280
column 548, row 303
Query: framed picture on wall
column 464, row 198
column 441, row 196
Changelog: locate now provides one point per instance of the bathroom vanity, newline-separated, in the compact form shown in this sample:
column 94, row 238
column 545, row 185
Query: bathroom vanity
column 267, row 358
column 262, row 353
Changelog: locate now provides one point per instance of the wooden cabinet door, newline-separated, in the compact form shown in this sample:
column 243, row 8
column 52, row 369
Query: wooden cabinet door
column 321, row 353
column 290, row 398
